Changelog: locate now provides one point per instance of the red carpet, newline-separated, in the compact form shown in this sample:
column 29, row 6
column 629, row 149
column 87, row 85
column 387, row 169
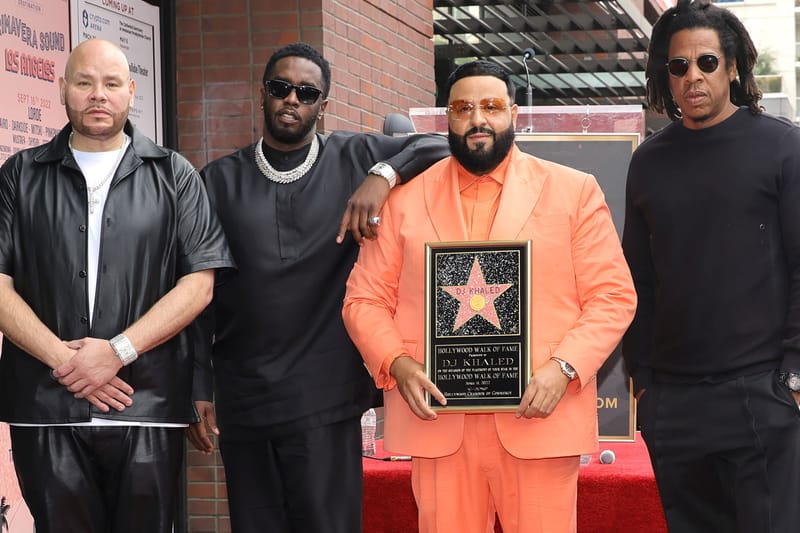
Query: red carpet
column 612, row 498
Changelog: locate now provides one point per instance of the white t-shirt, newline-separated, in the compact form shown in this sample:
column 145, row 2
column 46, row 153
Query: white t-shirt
column 98, row 169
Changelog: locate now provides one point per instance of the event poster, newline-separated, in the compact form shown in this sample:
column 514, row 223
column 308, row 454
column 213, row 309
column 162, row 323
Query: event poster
column 34, row 35
column 133, row 25
column 14, row 514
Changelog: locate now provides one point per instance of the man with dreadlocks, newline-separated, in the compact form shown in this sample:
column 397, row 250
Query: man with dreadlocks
column 712, row 237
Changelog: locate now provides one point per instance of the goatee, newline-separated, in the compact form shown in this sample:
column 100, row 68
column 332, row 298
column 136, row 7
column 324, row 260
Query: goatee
column 481, row 160
column 287, row 136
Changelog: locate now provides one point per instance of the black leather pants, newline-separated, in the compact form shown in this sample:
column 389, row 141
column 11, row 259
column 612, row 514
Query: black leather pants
column 90, row 479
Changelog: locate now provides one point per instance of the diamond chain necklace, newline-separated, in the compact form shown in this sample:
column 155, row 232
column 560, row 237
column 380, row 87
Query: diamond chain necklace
column 285, row 176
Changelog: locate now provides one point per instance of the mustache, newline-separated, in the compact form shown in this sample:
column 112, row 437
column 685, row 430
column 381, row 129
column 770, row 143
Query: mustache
column 96, row 108
column 287, row 111
column 479, row 129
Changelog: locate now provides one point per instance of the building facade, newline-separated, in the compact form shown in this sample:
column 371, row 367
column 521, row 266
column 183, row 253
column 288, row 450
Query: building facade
column 772, row 25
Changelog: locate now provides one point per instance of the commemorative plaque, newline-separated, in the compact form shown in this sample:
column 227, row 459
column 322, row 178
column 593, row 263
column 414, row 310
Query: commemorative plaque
column 477, row 316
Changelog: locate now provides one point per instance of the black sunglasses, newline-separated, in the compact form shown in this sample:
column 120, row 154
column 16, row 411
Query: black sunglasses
column 679, row 66
column 281, row 89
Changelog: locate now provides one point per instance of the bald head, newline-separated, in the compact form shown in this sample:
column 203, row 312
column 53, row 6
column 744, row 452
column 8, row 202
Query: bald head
column 96, row 51
column 98, row 92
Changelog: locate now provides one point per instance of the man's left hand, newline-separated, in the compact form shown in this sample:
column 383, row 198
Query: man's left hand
column 545, row 390
column 93, row 365
column 197, row 433
column 365, row 203
column 116, row 394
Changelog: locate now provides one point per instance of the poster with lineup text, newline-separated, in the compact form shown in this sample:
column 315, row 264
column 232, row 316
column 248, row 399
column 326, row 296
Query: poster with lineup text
column 34, row 36
column 134, row 26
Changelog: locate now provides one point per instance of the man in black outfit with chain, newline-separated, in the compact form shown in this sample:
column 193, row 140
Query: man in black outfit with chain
column 712, row 237
column 290, row 385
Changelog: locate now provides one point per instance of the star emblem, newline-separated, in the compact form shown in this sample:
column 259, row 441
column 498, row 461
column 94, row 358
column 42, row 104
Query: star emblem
column 476, row 298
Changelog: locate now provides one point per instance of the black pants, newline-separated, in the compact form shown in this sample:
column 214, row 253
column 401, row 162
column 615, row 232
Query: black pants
column 307, row 481
column 91, row 479
column 726, row 456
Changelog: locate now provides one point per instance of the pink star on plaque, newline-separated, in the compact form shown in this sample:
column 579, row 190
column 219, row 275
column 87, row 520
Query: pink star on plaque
column 476, row 297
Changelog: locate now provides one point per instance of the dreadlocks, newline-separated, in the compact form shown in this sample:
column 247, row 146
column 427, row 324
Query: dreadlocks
column 734, row 39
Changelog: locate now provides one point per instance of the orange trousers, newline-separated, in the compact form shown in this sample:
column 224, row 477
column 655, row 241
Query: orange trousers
column 461, row 492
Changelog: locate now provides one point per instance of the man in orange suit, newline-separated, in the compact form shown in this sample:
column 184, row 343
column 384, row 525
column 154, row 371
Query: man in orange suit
column 522, row 464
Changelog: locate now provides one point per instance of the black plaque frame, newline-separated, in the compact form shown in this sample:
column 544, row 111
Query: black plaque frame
column 480, row 362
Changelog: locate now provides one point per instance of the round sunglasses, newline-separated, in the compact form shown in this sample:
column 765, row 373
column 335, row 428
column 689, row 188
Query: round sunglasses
column 280, row 89
column 679, row 66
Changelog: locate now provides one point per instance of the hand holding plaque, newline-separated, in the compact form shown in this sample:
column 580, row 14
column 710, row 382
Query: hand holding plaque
column 415, row 387
column 545, row 389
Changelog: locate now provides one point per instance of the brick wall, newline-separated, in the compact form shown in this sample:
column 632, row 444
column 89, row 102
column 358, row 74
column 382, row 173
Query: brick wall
column 207, row 504
column 381, row 55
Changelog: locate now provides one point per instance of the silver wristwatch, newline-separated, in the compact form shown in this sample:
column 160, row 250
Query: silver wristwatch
column 124, row 349
column 566, row 368
column 791, row 380
column 385, row 171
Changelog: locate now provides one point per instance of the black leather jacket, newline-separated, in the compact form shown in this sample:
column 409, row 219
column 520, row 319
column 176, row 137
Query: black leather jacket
column 157, row 227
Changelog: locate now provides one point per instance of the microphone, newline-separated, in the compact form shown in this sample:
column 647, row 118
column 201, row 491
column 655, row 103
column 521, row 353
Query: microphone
column 607, row 457
column 527, row 55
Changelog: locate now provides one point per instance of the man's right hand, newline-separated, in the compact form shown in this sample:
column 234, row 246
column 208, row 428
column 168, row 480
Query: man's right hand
column 116, row 394
column 94, row 365
column 412, row 382
column 197, row 433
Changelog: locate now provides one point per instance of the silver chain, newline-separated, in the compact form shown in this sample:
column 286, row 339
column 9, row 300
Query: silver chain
column 92, row 201
column 286, row 176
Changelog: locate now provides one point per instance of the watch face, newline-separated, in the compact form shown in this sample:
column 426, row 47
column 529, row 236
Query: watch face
column 793, row 382
column 381, row 170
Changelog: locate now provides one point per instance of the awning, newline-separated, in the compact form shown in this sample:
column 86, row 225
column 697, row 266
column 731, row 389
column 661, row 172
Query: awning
column 586, row 52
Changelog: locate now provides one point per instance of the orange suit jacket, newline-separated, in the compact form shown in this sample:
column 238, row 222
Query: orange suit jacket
column 582, row 297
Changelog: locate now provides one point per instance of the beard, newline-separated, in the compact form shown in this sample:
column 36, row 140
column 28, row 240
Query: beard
column 481, row 160
column 87, row 127
column 288, row 136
